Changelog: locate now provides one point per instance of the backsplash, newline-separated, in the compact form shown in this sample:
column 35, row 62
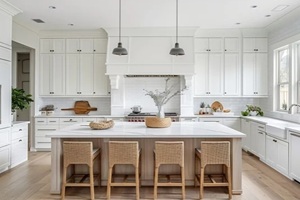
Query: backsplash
column 236, row 104
column 101, row 103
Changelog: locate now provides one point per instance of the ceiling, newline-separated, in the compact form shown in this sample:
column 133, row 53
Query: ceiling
column 95, row 14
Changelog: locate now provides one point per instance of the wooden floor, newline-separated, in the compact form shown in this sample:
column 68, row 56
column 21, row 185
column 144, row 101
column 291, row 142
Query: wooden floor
column 31, row 180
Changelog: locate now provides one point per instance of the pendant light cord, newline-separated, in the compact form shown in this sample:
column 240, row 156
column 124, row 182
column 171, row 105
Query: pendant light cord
column 176, row 21
column 119, row 20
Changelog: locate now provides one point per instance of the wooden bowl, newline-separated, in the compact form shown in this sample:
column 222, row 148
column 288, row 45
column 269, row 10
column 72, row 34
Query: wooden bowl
column 156, row 122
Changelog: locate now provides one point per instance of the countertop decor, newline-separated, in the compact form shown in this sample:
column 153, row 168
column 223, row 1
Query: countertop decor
column 101, row 125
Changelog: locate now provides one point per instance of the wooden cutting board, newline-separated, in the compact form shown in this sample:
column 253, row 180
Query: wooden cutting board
column 81, row 107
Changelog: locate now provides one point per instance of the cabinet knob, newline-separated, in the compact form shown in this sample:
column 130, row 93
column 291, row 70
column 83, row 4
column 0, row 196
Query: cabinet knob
column 274, row 140
column 225, row 92
column 94, row 50
column 20, row 140
column 20, row 129
column 225, row 50
column 94, row 92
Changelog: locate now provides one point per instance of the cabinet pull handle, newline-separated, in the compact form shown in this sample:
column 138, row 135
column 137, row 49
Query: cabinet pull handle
column 295, row 134
column 261, row 127
column 20, row 129
column 52, row 121
column 46, row 129
column 274, row 140
column 40, row 121
column 20, row 140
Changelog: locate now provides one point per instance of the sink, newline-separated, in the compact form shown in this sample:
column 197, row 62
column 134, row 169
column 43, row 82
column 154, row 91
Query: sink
column 277, row 130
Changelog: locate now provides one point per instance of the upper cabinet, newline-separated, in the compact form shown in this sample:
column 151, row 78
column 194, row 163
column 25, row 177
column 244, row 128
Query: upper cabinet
column 86, row 45
column 52, row 46
column 217, row 66
column 255, row 67
column 6, row 29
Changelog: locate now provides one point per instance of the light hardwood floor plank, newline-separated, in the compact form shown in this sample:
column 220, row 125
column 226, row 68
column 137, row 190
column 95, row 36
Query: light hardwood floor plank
column 31, row 181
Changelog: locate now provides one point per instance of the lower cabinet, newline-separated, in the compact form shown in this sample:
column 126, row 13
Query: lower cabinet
column 245, row 128
column 277, row 154
column 19, row 144
column 294, row 147
column 233, row 123
column 5, row 149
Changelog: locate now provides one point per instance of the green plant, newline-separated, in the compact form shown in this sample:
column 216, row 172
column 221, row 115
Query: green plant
column 19, row 99
column 251, row 108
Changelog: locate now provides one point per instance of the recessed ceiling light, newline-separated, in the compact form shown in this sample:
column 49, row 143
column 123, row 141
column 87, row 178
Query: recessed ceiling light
column 254, row 6
column 238, row 23
column 268, row 16
column 70, row 24
column 280, row 8
column 52, row 7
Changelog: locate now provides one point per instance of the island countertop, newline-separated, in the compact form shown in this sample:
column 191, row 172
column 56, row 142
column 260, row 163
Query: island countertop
column 139, row 130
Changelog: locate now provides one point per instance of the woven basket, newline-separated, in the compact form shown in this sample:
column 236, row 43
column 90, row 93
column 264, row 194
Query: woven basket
column 155, row 122
column 102, row 125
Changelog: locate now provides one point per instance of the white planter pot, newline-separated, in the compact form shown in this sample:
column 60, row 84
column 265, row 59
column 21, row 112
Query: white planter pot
column 253, row 113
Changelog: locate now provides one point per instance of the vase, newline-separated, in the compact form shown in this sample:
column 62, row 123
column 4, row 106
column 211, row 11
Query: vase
column 253, row 113
column 161, row 112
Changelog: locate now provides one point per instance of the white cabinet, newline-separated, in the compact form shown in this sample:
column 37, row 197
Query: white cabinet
column 44, row 126
column 101, row 81
column 208, row 78
column 245, row 128
column 217, row 66
column 258, row 138
column 19, row 144
column 64, row 122
column 100, row 46
column 294, row 159
column 6, row 29
column 80, row 45
column 52, row 46
column 52, row 74
column 277, row 154
column 255, row 66
column 233, row 123
column 5, row 149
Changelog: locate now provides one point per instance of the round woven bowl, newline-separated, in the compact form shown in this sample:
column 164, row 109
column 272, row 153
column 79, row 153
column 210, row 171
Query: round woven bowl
column 102, row 125
column 155, row 122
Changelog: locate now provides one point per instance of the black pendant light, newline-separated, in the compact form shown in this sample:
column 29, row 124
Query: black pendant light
column 120, row 50
column 177, row 51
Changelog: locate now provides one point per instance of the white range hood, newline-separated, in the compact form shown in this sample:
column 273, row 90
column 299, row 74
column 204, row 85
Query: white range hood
column 148, row 54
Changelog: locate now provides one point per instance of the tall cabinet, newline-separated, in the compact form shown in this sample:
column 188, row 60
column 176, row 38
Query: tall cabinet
column 255, row 66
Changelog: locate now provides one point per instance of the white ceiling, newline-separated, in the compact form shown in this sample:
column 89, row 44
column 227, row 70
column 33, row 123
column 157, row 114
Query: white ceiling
column 94, row 14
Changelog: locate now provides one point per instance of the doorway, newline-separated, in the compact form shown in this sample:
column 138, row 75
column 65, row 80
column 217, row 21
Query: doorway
column 23, row 82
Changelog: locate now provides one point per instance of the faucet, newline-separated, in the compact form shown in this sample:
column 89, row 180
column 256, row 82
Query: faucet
column 290, row 108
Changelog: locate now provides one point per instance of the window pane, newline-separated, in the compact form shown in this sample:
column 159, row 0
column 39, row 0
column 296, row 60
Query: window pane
column 283, row 96
column 283, row 66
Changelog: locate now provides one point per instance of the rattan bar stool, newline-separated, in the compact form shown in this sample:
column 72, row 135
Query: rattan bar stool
column 169, row 153
column 124, row 153
column 80, row 153
column 213, row 153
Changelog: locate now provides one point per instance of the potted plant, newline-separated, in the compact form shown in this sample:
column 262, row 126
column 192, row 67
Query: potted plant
column 19, row 100
column 202, row 110
column 252, row 111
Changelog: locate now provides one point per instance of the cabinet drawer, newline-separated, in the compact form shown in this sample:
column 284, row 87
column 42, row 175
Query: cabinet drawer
column 52, row 120
column 42, row 139
column 19, row 131
column 66, row 121
column 43, row 131
column 19, row 151
column 40, row 120
column 4, row 137
column 89, row 119
column 43, row 145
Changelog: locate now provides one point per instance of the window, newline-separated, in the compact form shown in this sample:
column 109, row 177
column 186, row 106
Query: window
column 283, row 70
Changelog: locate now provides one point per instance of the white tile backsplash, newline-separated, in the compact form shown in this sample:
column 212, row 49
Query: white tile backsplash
column 101, row 103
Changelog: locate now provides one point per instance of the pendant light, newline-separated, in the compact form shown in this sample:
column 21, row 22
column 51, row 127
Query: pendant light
column 177, row 51
column 120, row 50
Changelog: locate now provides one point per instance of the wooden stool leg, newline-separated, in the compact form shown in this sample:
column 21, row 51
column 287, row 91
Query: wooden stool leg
column 100, row 169
column 63, row 189
column 155, row 182
column 92, row 182
column 137, row 182
column 196, row 171
column 201, row 182
column 229, row 182
column 109, row 182
column 183, row 182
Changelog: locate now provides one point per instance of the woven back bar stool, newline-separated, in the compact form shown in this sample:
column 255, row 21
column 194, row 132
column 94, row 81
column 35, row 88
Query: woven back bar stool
column 123, row 153
column 213, row 153
column 169, row 153
column 80, row 153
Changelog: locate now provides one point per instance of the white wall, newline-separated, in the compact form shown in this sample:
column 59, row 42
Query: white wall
column 282, row 32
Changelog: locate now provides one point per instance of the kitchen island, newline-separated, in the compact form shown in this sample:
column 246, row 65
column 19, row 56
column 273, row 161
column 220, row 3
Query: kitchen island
column 192, row 133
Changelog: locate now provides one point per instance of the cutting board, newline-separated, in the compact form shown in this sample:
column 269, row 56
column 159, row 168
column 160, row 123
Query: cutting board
column 81, row 107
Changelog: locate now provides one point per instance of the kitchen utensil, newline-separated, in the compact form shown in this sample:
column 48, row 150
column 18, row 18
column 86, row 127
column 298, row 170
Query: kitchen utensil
column 81, row 107
column 136, row 109
column 217, row 106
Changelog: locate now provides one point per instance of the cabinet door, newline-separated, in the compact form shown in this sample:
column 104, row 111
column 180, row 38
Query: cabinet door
column 231, row 44
column 231, row 74
column 86, row 45
column 215, row 45
column 245, row 128
column 215, row 74
column 261, row 44
column 271, row 151
column 19, row 149
column 86, row 74
column 201, row 45
column 100, row 46
column 233, row 123
column 52, row 45
column 282, row 157
column 101, row 81
column 248, row 74
column 6, row 28
column 72, row 71
column 57, row 77
column 261, row 74
column 73, row 46
column 46, row 46
column 248, row 44
column 5, row 96
column 294, row 155
column 261, row 145
column 201, row 70
column 4, row 157
column 45, row 70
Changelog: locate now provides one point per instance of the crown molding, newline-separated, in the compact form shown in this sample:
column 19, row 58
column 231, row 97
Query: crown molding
column 9, row 8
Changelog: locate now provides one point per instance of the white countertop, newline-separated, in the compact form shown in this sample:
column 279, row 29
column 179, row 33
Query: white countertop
column 20, row 122
column 77, row 116
column 139, row 130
